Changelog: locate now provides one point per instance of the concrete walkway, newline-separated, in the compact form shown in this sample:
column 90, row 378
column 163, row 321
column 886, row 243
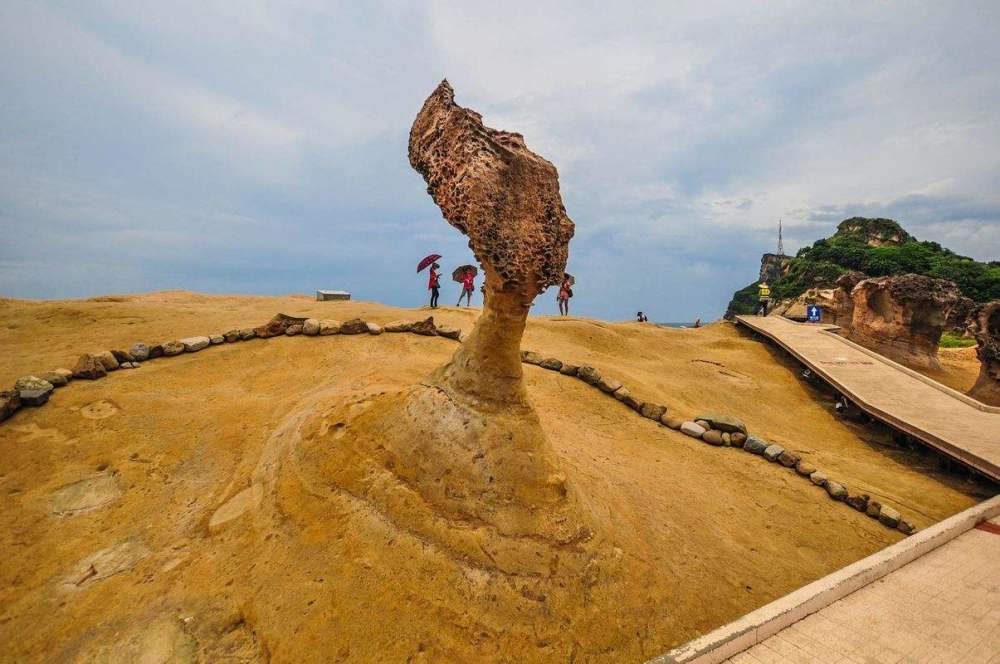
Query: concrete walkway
column 942, row 607
column 947, row 420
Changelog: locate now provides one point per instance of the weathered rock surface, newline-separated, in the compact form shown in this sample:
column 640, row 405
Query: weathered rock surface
column 788, row 459
column 449, row 332
column 985, row 327
column 655, row 411
column 232, row 336
column 399, row 326
column 819, row 478
column 725, row 423
column 375, row 328
column 293, row 330
column 755, row 445
column 107, row 562
column 773, row 451
column 155, row 351
column 122, row 356
column 889, row 517
column 140, row 352
column 713, row 437
column 551, row 363
column 836, row 490
column 33, row 383
column 671, row 422
column 310, row 327
column 172, row 348
column 85, row 495
column 328, row 327
column 858, row 501
column 805, row 468
column 569, row 369
column 609, row 385
column 235, row 507
column 902, row 317
column 692, row 429
column 425, row 327
column 588, row 374
column 34, row 397
column 216, row 339
column 277, row 325
column 874, row 509
column 354, row 326
column 738, row 439
column 89, row 367
column 247, row 333
column 194, row 344
column 107, row 360
column 10, row 402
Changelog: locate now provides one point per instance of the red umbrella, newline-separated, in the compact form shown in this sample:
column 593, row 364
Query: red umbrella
column 427, row 261
column 459, row 271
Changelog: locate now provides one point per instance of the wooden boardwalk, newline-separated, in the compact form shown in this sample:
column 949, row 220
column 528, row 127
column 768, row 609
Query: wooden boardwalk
column 940, row 417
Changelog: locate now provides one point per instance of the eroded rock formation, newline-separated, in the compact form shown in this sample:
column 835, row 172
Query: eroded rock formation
column 903, row 317
column 985, row 326
column 461, row 458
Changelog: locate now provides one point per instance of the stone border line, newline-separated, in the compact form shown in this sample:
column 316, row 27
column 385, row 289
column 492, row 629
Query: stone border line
column 712, row 428
column 727, row 431
column 756, row 626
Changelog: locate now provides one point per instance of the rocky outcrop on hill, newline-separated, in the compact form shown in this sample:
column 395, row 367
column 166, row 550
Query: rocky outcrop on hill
column 902, row 317
column 985, row 327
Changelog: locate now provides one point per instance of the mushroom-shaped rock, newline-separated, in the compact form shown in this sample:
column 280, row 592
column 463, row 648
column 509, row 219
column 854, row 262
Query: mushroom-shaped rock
column 985, row 327
column 903, row 316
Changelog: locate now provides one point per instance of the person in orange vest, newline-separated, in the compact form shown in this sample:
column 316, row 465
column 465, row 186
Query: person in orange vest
column 763, row 297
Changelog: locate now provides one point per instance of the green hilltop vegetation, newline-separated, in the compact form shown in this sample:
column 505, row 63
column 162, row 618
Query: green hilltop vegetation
column 875, row 247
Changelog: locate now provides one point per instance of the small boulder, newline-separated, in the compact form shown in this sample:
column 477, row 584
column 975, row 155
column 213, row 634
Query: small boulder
column 278, row 325
column 425, row 327
column 621, row 393
column 65, row 373
column 692, row 429
column 33, row 383
column 89, row 367
column 232, row 336
column 310, row 327
column 738, row 439
column 122, row 356
column 655, row 411
column 373, row 328
column 836, row 490
column 887, row 516
column 551, row 364
column 293, row 330
column 703, row 424
column 531, row 357
column 107, row 360
column 633, row 403
column 34, row 397
column 858, row 501
column 56, row 378
column 172, row 348
column 354, row 326
column 10, row 401
column 906, row 527
column 671, row 422
column 568, row 369
column 773, row 451
column 155, row 351
column 609, row 385
column 804, row 468
column 588, row 374
column 819, row 478
column 724, row 422
column 247, row 333
column 713, row 437
column 140, row 352
column 449, row 332
column 194, row 344
column 216, row 339
column 398, row 326
column 873, row 509
column 755, row 445
column 788, row 459
column 328, row 327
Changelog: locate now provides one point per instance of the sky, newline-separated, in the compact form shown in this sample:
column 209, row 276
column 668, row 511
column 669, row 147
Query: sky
column 261, row 147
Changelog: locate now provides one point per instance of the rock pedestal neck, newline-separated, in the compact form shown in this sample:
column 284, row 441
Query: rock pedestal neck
column 903, row 317
column 985, row 326
column 461, row 457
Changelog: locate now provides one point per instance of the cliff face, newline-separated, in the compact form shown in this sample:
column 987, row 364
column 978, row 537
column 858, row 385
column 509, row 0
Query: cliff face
column 745, row 300
column 985, row 327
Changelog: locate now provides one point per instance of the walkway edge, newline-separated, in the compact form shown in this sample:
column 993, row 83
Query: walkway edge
column 746, row 632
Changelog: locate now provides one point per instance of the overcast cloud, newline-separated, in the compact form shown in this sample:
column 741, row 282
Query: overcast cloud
column 260, row 147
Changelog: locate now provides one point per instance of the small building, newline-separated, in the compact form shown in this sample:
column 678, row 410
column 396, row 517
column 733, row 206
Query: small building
column 324, row 295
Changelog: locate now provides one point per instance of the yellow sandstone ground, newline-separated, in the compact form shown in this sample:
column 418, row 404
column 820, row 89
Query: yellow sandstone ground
column 286, row 573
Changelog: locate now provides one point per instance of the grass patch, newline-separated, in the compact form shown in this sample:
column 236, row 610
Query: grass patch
column 951, row 340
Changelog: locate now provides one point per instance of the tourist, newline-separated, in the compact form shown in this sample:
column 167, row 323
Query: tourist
column 697, row 322
column 565, row 292
column 468, row 285
column 764, row 298
column 434, row 285
column 640, row 317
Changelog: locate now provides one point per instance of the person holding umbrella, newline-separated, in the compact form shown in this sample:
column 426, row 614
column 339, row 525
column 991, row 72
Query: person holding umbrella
column 434, row 283
column 466, row 275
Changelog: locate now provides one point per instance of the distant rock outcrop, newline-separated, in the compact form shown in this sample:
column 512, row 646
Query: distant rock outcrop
column 902, row 317
column 985, row 327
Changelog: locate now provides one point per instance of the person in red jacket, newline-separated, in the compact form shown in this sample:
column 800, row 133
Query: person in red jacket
column 468, row 285
column 434, row 285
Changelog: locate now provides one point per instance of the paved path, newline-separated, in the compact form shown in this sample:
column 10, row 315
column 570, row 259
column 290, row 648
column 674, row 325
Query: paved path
column 922, row 408
column 942, row 607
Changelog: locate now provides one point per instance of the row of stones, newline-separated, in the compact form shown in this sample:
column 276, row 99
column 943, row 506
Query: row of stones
column 34, row 389
column 726, row 431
